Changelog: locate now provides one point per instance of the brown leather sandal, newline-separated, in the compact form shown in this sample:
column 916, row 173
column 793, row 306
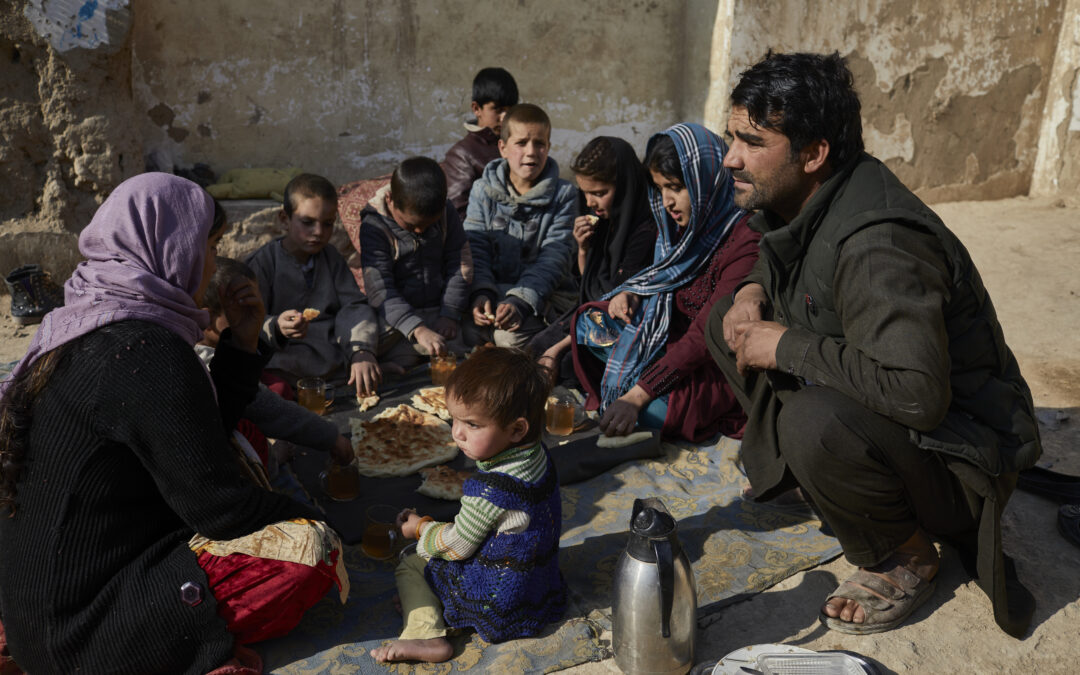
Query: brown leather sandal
column 885, row 604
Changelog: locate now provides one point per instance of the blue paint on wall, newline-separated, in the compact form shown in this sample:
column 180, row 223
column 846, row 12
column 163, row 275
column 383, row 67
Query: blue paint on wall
column 86, row 12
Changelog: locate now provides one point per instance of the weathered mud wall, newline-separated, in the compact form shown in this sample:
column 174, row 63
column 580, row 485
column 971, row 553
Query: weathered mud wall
column 66, row 135
column 350, row 88
column 952, row 90
column 1057, row 165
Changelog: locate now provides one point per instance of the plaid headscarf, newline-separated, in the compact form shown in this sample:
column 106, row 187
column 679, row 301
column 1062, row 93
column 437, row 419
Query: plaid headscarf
column 712, row 215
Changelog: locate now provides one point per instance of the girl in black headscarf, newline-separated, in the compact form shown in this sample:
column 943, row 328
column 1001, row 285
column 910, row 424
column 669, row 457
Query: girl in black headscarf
column 615, row 237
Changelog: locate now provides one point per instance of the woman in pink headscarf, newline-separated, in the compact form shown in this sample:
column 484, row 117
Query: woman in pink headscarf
column 121, row 494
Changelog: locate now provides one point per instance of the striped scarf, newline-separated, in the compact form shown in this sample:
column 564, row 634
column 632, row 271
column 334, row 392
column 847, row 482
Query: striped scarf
column 712, row 215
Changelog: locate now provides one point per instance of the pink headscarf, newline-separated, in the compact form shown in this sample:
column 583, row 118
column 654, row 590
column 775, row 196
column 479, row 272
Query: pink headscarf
column 144, row 251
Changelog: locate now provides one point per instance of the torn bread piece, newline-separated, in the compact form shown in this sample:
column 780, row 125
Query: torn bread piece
column 593, row 219
column 310, row 314
column 442, row 482
column 399, row 441
column 603, row 441
column 367, row 402
column 432, row 400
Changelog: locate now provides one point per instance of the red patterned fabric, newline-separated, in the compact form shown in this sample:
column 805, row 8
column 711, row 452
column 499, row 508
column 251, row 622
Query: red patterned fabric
column 262, row 599
column 278, row 386
column 257, row 439
column 352, row 198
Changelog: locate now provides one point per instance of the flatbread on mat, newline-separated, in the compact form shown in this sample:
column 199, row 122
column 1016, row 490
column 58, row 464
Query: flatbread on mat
column 367, row 402
column 432, row 400
column 399, row 441
column 442, row 482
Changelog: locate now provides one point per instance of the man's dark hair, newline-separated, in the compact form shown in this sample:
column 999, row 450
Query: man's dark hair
column 227, row 270
column 494, row 85
column 662, row 157
column 307, row 185
column 524, row 113
column 419, row 186
column 806, row 97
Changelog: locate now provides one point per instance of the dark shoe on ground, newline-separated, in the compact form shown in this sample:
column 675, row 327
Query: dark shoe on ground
column 33, row 294
column 1069, row 522
column 885, row 604
column 1062, row 488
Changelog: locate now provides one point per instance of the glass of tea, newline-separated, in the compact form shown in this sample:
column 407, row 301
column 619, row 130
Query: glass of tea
column 341, row 482
column 381, row 534
column 314, row 394
column 441, row 367
column 560, row 414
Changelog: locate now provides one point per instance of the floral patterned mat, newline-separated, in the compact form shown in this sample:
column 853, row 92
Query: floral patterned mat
column 736, row 548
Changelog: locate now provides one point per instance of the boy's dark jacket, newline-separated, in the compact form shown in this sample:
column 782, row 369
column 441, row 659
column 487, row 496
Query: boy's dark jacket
column 465, row 162
column 412, row 271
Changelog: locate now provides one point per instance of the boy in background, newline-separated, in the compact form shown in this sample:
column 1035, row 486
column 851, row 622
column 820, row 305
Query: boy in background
column 520, row 229
column 272, row 415
column 416, row 262
column 299, row 271
column 493, row 93
column 495, row 568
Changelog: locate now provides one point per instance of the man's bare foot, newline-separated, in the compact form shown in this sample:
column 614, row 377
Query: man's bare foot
column 431, row 650
column 917, row 555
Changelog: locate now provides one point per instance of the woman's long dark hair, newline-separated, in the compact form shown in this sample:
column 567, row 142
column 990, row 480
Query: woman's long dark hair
column 16, row 414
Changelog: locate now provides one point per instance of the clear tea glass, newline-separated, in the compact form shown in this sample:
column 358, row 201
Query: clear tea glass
column 441, row 367
column 314, row 394
column 560, row 414
column 341, row 482
column 381, row 534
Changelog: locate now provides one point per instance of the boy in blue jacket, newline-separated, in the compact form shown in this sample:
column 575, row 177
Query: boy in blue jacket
column 520, row 224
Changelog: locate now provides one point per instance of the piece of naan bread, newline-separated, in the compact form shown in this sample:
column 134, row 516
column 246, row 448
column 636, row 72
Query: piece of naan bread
column 310, row 314
column 367, row 402
column 432, row 400
column 399, row 441
column 442, row 482
column 603, row 441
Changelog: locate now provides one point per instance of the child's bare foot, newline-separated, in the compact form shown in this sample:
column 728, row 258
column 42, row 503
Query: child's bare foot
column 432, row 650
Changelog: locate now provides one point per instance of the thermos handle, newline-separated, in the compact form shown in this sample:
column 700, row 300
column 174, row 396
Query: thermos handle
column 665, row 567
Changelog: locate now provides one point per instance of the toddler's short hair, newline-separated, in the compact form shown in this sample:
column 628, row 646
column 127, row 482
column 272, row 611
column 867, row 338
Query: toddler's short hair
column 505, row 384
column 419, row 185
column 307, row 185
column 524, row 113
column 227, row 270
column 494, row 85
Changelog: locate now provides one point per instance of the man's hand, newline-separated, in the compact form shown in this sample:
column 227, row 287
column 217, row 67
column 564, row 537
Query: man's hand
column 365, row 374
column 482, row 311
column 507, row 317
column 755, row 344
column 623, row 306
column 244, row 310
column 429, row 340
column 749, row 306
column 292, row 324
column 446, row 327
column 621, row 416
column 342, row 452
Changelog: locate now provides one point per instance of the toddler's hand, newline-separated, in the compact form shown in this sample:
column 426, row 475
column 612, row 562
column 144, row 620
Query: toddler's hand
column 507, row 317
column 429, row 340
column 292, row 324
column 446, row 327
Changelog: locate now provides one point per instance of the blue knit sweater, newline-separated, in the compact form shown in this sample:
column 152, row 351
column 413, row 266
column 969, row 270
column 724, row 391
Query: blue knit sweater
column 512, row 586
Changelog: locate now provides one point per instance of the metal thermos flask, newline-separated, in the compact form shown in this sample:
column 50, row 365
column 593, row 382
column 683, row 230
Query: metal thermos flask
column 655, row 604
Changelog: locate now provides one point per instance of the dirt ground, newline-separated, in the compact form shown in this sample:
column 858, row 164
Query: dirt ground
column 1028, row 252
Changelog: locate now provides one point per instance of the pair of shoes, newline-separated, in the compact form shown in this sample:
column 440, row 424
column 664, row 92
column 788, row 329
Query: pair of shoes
column 33, row 294
column 1069, row 522
column 1060, row 487
column 884, row 604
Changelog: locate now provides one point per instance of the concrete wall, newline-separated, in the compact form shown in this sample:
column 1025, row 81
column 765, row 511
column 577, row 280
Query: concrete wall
column 347, row 89
column 952, row 90
column 1057, row 165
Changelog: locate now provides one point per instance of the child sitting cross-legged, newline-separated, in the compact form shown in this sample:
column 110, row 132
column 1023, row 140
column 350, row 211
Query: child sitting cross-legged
column 298, row 272
column 496, row 567
column 271, row 414
column 417, row 266
column 520, row 228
